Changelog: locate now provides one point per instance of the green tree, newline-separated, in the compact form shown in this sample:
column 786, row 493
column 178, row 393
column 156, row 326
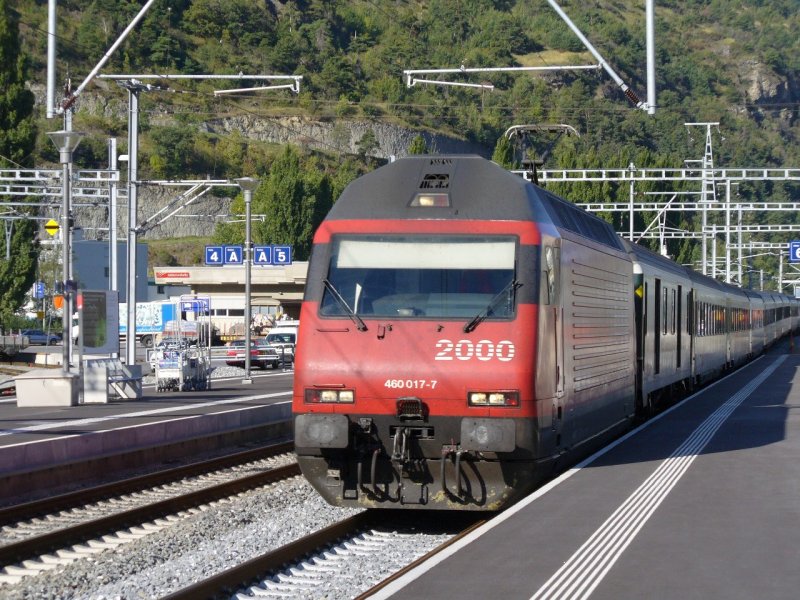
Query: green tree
column 367, row 144
column 418, row 145
column 504, row 153
column 17, row 138
column 174, row 154
column 295, row 199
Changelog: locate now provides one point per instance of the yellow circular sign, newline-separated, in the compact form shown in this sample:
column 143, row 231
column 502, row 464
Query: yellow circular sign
column 51, row 227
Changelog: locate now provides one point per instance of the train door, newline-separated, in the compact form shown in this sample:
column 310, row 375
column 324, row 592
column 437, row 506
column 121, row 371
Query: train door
column 550, row 360
column 728, row 334
column 691, row 329
column 679, row 328
column 657, row 317
column 640, row 319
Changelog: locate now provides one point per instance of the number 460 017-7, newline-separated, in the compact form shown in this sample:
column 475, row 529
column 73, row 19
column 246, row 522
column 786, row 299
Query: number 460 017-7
column 410, row 384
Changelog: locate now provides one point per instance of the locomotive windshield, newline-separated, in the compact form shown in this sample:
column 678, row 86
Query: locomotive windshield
column 420, row 276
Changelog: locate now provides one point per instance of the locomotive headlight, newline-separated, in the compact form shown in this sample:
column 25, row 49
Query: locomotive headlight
column 431, row 200
column 323, row 396
column 493, row 398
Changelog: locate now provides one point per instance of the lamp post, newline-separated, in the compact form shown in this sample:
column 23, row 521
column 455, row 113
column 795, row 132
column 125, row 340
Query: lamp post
column 66, row 142
column 248, row 184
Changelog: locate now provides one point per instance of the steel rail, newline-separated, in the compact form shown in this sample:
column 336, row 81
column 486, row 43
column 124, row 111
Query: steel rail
column 35, row 508
column 256, row 568
column 397, row 575
column 39, row 545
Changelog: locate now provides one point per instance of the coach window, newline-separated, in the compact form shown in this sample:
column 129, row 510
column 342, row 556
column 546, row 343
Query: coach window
column 698, row 311
column 701, row 321
column 674, row 309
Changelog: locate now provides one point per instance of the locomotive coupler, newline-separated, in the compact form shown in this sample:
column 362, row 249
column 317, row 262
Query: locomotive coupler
column 447, row 451
column 400, row 451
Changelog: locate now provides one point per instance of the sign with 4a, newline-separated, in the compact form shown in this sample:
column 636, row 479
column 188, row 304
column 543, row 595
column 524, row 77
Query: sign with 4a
column 213, row 256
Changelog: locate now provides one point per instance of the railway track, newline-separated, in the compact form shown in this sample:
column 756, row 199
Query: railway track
column 316, row 560
column 42, row 534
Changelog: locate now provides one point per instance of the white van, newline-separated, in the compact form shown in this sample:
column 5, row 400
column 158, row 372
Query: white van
column 283, row 338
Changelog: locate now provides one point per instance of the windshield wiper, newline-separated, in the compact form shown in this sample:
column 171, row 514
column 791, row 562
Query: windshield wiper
column 510, row 288
column 345, row 306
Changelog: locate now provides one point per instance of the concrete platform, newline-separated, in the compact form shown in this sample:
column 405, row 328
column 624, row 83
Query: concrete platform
column 37, row 444
column 702, row 502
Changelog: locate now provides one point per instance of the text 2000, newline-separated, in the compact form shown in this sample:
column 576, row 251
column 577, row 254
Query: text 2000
column 483, row 350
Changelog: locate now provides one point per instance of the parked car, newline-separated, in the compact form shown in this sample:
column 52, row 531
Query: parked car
column 283, row 337
column 37, row 336
column 261, row 355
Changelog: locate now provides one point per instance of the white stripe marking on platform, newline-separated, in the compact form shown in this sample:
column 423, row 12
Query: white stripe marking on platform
column 143, row 413
column 418, row 572
column 584, row 571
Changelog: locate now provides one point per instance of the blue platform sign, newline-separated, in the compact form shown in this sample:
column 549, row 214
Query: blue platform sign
column 794, row 252
column 262, row 255
column 38, row 290
column 213, row 256
column 233, row 255
column 282, row 255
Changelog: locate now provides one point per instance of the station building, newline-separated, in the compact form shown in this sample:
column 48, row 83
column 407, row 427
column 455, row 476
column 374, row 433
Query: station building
column 275, row 291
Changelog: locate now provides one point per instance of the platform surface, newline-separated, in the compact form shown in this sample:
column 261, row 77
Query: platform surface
column 701, row 502
column 38, row 437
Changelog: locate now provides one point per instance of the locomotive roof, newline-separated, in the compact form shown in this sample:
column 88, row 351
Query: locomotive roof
column 478, row 189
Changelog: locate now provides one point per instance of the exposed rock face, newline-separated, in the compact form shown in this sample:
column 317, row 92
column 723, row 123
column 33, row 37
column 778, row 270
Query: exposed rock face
column 196, row 219
column 331, row 136
column 764, row 86
column 341, row 135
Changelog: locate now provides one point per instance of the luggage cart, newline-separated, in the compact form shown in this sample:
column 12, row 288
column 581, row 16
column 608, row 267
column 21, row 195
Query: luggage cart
column 184, row 367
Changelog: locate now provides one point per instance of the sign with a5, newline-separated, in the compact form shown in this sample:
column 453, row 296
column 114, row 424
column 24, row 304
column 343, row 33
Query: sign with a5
column 232, row 255
column 213, row 256
column 282, row 255
column 262, row 255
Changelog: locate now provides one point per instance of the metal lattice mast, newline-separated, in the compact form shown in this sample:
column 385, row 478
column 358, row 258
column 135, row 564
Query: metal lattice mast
column 708, row 192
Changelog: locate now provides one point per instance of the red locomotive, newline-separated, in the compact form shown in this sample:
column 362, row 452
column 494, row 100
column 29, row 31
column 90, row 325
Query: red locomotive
column 465, row 332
